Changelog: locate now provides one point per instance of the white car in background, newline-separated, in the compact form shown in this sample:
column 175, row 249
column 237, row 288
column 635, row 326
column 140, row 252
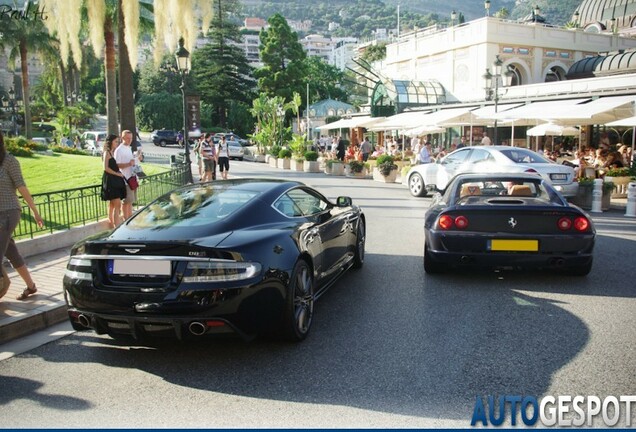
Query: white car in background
column 489, row 159
column 94, row 141
column 236, row 150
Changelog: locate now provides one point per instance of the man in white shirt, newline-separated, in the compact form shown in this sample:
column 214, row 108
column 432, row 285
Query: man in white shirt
column 485, row 141
column 125, row 161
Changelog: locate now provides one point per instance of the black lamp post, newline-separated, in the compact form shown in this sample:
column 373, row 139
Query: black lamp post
column 183, row 65
column 487, row 7
column 14, row 116
column 493, row 94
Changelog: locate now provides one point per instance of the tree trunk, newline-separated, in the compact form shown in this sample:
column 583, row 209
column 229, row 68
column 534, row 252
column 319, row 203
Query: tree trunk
column 64, row 83
column 111, row 84
column 126, row 85
column 25, row 89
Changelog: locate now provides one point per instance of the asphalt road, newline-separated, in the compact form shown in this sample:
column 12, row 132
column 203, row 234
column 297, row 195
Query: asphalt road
column 390, row 346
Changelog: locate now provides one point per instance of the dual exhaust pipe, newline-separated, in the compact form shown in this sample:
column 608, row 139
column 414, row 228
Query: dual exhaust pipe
column 197, row 328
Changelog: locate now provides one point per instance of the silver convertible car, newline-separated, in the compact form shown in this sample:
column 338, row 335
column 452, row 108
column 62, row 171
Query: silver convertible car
column 489, row 159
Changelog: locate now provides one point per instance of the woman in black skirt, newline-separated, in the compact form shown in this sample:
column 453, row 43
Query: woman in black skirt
column 113, row 183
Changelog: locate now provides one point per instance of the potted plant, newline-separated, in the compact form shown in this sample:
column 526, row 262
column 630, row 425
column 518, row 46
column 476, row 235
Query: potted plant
column 585, row 194
column 621, row 178
column 356, row 169
column 334, row 167
column 284, row 159
column 385, row 169
column 311, row 163
column 273, row 155
column 297, row 146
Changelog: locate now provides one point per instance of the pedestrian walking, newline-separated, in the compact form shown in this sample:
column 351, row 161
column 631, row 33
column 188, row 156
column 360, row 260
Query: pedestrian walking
column 11, row 180
column 365, row 148
column 113, row 183
column 208, row 154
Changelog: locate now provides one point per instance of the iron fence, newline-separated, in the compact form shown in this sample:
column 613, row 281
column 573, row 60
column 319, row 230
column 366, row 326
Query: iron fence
column 62, row 210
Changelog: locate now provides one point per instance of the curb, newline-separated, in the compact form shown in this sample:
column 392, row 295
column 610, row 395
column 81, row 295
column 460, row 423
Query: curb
column 23, row 326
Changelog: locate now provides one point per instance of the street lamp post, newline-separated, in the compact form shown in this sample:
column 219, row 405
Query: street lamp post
column 281, row 114
column 183, row 65
column 493, row 94
column 14, row 117
column 453, row 17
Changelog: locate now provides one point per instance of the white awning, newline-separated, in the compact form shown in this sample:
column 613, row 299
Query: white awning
column 538, row 112
column 599, row 111
column 405, row 120
column 352, row 122
column 449, row 116
column 627, row 122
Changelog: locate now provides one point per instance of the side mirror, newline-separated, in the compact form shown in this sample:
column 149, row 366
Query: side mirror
column 437, row 198
column 343, row 201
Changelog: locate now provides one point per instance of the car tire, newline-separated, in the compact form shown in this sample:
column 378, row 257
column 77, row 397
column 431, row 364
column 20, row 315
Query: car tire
column 162, row 143
column 582, row 270
column 430, row 265
column 240, row 158
column 417, row 187
column 358, row 258
column 299, row 307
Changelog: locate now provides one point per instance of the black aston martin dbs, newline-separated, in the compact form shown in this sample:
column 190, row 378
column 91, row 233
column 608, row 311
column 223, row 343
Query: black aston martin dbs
column 507, row 221
column 241, row 256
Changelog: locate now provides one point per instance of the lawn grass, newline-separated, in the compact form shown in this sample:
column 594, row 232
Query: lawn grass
column 44, row 173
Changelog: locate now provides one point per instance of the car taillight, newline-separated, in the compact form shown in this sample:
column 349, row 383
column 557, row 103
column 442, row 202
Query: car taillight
column 447, row 222
column 581, row 224
column 461, row 222
column 564, row 224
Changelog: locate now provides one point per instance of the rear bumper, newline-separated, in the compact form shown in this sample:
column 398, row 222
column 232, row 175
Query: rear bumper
column 567, row 190
column 522, row 260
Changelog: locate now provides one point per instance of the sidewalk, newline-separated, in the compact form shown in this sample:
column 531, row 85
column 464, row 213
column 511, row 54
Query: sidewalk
column 41, row 310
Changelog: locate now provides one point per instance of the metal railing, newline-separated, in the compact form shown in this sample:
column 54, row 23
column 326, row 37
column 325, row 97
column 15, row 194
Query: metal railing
column 62, row 210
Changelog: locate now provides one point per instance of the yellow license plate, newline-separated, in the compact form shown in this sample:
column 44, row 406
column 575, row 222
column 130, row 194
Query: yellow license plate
column 514, row 245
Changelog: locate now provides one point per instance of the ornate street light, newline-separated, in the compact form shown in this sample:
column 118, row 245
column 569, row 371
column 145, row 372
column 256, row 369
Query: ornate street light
column 576, row 18
column 493, row 93
column 614, row 28
column 487, row 7
column 453, row 17
column 183, row 65
column 535, row 13
column 14, row 117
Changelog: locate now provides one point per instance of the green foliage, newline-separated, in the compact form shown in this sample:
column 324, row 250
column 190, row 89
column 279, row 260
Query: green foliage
column 385, row 158
column 161, row 110
column 374, row 52
column 68, row 150
column 284, row 153
column 162, row 79
column 356, row 166
column 283, row 57
column 311, row 156
column 617, row 172
column 19, row 146
column 274, row 150
column 325, row 81
column 298, row 145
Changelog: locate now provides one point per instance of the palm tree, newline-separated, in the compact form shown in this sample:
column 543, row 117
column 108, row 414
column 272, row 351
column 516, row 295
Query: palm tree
column 25, row 37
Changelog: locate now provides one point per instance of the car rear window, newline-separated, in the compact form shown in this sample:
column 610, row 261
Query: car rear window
column 477, row 192
column 519, row 155
column 192, row 207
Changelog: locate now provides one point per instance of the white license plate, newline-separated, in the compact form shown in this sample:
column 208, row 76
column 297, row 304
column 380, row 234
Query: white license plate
column 558, row 176
column 142, row 267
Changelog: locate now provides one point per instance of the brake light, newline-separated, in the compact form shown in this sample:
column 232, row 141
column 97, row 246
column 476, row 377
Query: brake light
column 445, row 222
column 581, row 224
column 564, row 224
column 461, row 222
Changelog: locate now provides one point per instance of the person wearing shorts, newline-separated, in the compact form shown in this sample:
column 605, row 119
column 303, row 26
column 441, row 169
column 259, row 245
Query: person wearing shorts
column 223, row 158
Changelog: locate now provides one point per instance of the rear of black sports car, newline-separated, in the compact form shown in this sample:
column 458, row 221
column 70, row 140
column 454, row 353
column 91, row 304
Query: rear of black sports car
column 498, row 234
column 170, row 289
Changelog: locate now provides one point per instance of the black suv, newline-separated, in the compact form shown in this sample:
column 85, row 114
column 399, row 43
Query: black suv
column 164, row 137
